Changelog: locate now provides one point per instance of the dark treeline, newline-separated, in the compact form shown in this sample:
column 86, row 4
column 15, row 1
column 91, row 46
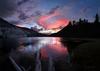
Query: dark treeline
column 82, row 28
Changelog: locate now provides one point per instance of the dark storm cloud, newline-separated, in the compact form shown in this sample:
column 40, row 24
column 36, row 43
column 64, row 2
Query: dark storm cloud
column 74, row 1
column 22, row 1
column 54, row 10
column 23, row 16
column 7, row 7
column 38, row 13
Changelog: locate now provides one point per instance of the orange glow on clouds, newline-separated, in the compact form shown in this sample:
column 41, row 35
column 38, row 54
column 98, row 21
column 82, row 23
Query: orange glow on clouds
column 62, row 22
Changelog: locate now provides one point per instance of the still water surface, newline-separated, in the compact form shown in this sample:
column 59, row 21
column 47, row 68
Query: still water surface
column 43, row 52
column 49, row 53
column 46, row 46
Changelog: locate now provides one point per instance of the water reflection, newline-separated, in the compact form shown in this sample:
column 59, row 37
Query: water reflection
column 47, row 46
column 49, row 54
column 43, row 51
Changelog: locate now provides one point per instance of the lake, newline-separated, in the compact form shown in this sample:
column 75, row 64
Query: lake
column 46, row 53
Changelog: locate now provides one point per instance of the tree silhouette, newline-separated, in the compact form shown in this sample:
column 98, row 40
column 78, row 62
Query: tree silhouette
column 96, row 19
column 74, row 22
column 80, row 20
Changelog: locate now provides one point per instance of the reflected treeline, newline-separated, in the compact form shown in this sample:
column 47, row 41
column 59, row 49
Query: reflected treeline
column 81, row 28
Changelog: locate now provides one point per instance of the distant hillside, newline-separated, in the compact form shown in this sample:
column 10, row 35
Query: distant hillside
column 31, row 32
column 80, row 29
column 7, row 29
column 5, row 24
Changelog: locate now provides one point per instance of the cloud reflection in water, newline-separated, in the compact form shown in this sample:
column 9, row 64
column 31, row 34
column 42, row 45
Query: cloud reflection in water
column 48, row 47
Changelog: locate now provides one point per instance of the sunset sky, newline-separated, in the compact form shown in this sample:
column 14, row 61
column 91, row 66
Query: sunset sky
column 28, row 13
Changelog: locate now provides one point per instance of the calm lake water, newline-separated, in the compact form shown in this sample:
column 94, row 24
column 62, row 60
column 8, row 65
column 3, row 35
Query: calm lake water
column 47, row 46
column 44, row 53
